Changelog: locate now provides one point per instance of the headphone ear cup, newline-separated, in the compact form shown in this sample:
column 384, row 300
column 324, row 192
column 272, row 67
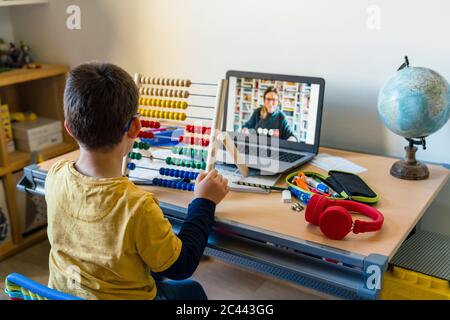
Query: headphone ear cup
column 335, row 222
column 314, row 208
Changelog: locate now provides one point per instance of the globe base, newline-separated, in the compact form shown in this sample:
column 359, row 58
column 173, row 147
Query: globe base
column 410, row 168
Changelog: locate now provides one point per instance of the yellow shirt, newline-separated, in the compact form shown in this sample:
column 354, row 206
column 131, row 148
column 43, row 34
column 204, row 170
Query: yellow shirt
column 106, row 235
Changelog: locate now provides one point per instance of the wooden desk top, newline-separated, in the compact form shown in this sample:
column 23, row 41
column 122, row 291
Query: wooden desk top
column 402, row 202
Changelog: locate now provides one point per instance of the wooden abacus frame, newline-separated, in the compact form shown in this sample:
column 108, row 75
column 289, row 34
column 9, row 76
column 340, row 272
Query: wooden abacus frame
column 225, row 137
column 216, row 135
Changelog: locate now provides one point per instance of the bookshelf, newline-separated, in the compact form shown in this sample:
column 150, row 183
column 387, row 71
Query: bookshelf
column 40, row 91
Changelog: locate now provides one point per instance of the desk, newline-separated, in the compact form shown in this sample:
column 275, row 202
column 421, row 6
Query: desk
column 260, row 232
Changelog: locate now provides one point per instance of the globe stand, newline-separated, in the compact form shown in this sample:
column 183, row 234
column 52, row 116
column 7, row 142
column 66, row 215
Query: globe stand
column 410, row 168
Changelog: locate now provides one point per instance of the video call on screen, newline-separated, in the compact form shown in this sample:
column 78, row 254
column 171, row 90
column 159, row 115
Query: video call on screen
column 276, row 109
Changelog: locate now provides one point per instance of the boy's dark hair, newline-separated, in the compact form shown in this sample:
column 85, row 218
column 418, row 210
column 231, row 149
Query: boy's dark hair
column 100, row 99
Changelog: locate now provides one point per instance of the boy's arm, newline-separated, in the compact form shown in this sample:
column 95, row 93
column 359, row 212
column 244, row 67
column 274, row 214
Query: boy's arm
column 194, row 237
column 165, row 253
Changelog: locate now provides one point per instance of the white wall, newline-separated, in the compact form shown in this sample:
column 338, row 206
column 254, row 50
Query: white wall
column 6, row 31
column 201, row 39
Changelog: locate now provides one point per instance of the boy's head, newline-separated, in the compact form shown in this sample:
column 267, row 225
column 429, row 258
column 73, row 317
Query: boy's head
column 100, row 102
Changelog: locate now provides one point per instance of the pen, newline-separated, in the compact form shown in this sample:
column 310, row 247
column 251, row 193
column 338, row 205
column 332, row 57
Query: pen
column 333, row 193
column 319, row 186
column 302, row 196
column 320, row 192
column 256, row 185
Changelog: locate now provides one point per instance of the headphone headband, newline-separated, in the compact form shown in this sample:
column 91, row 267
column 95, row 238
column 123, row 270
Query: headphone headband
column 364, row 209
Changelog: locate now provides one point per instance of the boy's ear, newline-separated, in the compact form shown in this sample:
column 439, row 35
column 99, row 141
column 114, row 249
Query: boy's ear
column 66, row 125
column 135, row 128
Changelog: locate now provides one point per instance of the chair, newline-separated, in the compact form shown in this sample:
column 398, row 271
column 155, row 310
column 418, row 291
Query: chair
column 19, row 287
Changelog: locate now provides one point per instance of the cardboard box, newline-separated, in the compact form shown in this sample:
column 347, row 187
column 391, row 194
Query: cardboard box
column 36, row 135
column 31, row 208
column 5, row 117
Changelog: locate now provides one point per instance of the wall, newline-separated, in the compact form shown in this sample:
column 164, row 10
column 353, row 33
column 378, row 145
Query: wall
column 6, row 31
column 202, row 39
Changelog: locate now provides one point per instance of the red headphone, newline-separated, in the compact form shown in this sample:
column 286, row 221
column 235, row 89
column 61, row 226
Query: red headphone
column 334, row 219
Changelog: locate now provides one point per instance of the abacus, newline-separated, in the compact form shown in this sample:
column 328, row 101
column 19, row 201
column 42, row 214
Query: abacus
column 164, row 106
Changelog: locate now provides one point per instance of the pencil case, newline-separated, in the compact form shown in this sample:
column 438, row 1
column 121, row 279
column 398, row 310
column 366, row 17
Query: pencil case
column 345, row 184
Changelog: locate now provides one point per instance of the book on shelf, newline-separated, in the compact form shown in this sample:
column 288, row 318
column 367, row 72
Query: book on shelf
column 6, row 119
column 5, row 222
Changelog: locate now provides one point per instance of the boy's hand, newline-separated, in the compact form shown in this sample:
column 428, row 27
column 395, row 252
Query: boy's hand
column 211, row 186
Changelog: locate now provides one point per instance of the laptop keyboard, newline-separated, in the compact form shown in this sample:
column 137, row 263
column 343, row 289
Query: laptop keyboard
column 290, row 157
column 268, row 153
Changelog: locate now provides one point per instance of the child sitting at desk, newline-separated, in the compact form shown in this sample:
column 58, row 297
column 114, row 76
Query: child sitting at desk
column 107, row 236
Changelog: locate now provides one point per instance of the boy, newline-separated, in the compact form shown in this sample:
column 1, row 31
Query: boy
column 107, row 236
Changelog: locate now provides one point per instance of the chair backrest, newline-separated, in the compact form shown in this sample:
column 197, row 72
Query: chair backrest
column 19, row 287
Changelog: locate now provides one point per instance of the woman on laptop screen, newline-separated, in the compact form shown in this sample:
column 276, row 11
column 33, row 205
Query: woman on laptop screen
column 270, row 120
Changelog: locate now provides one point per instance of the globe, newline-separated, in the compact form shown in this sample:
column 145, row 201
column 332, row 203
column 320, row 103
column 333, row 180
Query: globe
column 415, row 102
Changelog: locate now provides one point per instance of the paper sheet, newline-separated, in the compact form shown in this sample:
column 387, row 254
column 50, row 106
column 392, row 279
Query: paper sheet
column 328, row 162
column 232, row 174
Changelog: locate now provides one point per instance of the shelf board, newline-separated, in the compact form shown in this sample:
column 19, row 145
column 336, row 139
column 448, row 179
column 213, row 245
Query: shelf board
column 10, row 3
column 23, row 75
column 19, row 159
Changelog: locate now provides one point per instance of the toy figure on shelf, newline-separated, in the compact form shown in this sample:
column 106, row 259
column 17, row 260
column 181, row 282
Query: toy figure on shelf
column 13, row 53
column 14, row 57
column 24, row 54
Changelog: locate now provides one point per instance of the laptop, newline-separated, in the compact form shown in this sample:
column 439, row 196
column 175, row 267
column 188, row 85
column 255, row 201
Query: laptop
column 274, row 120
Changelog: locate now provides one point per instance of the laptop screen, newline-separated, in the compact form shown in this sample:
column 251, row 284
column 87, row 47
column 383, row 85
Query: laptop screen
column 284, row 108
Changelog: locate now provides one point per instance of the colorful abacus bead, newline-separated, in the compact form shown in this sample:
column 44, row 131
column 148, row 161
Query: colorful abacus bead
column 131, row 166
column 198, row 130
column 193, row 141
column 135, row 156
column 146, row 135
column 176, row 150
column 141, row 145
column 150, row 124
column 186, row 163
column 178, row 173
column 163, row 114
column 190, row 152
column 144, row 146
column 173, row 184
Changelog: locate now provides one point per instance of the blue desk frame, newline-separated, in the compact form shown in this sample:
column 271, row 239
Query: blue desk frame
column 337, row 272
